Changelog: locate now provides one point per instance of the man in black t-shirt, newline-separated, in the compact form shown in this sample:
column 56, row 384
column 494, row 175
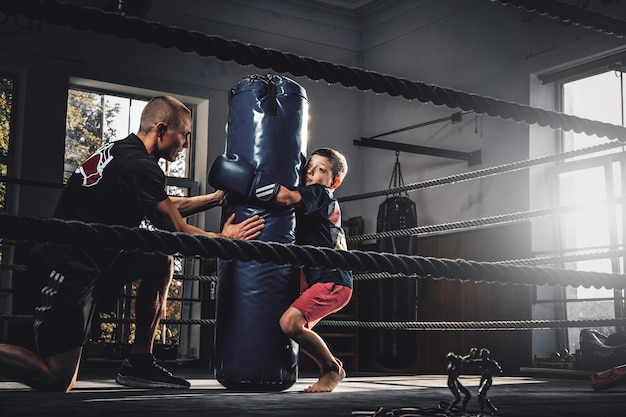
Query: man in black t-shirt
column 120, row 184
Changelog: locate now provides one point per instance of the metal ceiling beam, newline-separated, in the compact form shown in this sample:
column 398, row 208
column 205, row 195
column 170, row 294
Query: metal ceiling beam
column 472, row 158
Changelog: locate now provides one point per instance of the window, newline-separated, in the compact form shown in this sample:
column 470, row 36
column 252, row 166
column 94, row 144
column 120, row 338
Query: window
column 93, row 119
column 590, row 191
column 7, row 84
column 7, row 114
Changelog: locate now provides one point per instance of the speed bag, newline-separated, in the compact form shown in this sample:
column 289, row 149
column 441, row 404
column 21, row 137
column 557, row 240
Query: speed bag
column 267, row 127
column 397, row 297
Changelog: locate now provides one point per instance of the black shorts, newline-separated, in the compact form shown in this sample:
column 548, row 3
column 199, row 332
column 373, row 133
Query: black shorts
column 74, row 280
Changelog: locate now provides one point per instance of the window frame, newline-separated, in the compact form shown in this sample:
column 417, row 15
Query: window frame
column 560, row 300
column 9, row 205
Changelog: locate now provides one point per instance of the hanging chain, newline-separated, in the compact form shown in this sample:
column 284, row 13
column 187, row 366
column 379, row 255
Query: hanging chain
column 396, row 176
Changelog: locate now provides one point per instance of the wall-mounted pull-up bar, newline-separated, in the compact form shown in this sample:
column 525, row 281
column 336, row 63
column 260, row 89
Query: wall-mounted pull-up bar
column 472, row 158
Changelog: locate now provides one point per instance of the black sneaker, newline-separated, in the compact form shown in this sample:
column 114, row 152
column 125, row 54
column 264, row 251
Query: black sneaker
column 149, row 376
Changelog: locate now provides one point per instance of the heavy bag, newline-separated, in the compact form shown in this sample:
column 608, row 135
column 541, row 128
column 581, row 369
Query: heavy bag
column 397, row 298
column 267, row 126
column 599, row 352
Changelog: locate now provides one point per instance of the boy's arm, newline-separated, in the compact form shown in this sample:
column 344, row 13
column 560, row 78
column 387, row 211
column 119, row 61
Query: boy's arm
column 231, row 173
column 287, row 197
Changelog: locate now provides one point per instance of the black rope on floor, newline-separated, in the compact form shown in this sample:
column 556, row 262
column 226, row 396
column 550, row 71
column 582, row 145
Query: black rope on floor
column 130, row 27
column 88, row 234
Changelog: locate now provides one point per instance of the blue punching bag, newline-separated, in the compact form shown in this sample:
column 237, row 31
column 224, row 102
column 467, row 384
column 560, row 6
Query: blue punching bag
column 267, row 126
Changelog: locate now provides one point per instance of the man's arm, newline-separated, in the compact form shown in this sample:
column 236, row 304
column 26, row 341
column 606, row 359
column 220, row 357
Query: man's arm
column 196, row 204
column 165, row 215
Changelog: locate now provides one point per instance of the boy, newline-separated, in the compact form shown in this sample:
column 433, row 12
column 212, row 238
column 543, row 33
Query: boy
column 318, row 223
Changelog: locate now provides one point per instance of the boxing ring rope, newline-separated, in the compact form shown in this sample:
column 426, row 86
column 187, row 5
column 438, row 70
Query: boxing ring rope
column 564, row 258
column 454, row 326
column 403, row 265
column 545, row 260
column 381, row 264
column 527, row 262
column 384, row 275
column 461, row 225
column 129, row 27
column 85, row 18
column 482, row 173
column 79, row 233
column 475, row 223
column 571, row 14
column 490, row 325
column 428, row 230
column 18, row 268
column 477, row 174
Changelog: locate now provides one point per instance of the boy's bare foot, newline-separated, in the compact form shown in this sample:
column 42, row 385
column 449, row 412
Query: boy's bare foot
column 327, row 381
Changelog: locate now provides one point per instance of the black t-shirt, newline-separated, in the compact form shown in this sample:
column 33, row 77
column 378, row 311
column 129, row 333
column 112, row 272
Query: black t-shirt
column 113, row 186
column 318, row 223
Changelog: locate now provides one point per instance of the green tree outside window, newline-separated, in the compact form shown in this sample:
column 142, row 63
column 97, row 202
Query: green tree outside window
column 6, row 106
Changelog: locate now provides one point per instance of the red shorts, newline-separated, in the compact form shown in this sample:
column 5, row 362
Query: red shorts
column 320, row 300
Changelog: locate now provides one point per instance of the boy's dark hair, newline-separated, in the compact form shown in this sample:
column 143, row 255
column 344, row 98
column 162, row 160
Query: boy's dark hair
column 338, row 161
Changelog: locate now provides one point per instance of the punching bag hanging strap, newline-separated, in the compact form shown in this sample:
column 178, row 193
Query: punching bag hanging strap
column 396, row 175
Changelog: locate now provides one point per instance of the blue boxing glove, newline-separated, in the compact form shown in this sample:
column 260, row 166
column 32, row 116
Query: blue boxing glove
column 231, row 173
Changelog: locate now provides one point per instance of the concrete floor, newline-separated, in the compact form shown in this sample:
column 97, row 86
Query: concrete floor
column 96, row 394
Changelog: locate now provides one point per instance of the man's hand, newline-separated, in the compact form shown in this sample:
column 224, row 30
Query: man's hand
column 218, row 197
column 247, row 230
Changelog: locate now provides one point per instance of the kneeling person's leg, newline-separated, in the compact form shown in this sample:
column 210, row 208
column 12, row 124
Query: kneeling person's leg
column 62, row 321
column 155, row 271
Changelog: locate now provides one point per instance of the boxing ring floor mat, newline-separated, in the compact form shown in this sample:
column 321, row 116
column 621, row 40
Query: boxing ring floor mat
column 96, row 394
